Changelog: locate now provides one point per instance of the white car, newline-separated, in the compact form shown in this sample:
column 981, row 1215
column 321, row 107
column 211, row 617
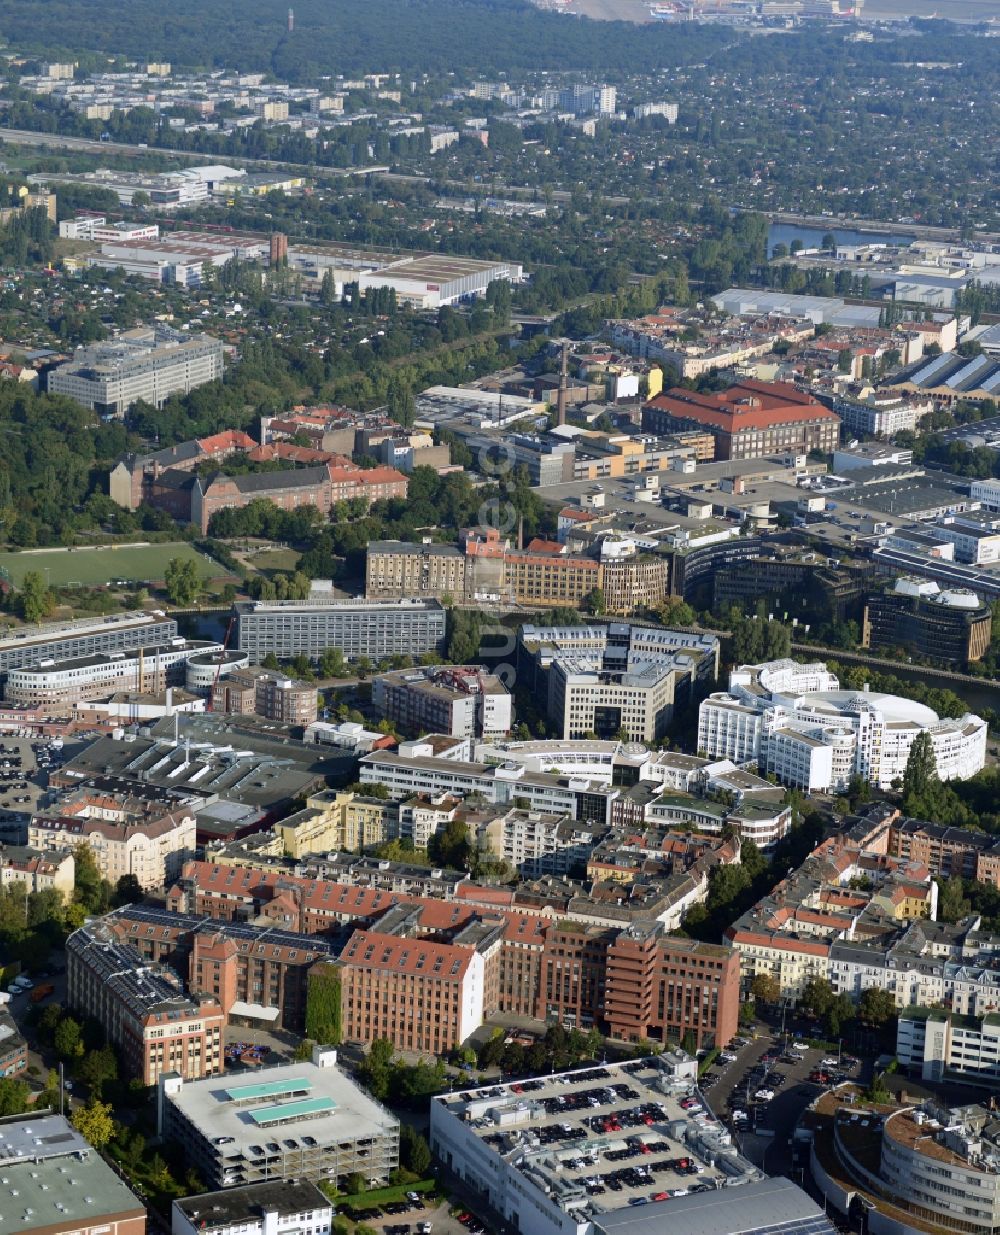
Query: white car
column 830, row 1063
column 728, row 1057
column 764, row 1095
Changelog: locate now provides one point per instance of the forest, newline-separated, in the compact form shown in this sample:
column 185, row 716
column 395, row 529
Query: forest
column 351, row 36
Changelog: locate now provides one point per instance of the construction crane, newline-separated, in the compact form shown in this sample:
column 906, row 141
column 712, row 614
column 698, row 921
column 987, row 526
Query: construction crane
column 222, row 658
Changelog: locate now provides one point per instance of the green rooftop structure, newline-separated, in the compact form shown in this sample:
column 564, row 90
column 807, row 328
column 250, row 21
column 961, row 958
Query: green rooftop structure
column 288, row 1112
column 269, row 1089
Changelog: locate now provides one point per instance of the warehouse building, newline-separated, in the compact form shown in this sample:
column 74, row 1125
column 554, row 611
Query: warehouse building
column 439, row 279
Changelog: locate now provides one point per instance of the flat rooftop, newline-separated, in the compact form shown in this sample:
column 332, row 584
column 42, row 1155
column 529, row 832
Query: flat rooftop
column 606, row 1138
column 220, row 1109
column 235, row 1206
column 57, row 1178
column 768, row 1206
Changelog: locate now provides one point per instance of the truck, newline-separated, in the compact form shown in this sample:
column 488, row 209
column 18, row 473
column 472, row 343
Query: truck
column 42, row 991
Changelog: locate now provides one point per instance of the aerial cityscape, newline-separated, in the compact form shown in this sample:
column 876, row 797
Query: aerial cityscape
column 500, row 617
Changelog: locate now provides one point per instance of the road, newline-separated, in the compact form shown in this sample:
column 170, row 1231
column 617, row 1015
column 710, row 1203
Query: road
column 58, row 141
column 768, row 1144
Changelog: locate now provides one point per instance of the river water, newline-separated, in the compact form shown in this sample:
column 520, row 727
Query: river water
column 812, row 237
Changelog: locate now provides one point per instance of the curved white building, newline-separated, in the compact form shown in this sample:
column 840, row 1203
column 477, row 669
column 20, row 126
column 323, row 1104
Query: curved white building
column 797, row 723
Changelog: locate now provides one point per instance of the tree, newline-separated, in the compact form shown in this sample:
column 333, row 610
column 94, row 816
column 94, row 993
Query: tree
column 68, row 1039
column 332, row 664
column 35, row 600
column 921, row 768
column 323, row 1015
column 128, row 890
column 95, row 1123
column 89, row 889
column 451, row 847
column 594, row 601
column 817, row 996
column 876, row 1006
column 765, row 988
column 414, row 1151
column 182, row 580
column 952, row 902
column 829, row 242
column 97, row 1068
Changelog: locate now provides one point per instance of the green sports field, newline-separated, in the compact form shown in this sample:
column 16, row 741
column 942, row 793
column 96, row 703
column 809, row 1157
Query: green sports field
column 110, row 564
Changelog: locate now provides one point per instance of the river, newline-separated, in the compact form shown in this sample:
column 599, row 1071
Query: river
column 812, row 237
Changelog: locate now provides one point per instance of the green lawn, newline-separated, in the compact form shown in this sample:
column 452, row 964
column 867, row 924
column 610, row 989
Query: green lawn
column 381, row 1196
column 90, row 567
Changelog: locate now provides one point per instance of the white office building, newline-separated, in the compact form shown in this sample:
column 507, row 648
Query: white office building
column 795, row 721
column 142, row 671
column 150, row 363
column 279, row 1208
column 372, row 628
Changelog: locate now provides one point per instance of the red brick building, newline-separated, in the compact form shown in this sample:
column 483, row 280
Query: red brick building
column 749, row 420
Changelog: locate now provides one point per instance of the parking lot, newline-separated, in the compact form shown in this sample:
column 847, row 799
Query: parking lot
column 415, row 1215
column 763, row 1091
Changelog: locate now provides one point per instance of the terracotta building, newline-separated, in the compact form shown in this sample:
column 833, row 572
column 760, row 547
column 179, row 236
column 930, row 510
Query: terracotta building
column 149, row 1020
column 749, row 420
column 424, row 996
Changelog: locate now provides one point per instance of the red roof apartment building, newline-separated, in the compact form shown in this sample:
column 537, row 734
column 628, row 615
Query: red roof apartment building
column 750, row 420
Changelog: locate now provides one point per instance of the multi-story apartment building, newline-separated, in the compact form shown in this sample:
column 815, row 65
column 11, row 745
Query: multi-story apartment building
column 462, row 701
column 148, row 838
column 268, row 693
column 142, row 1008
column 749, row 420
column 140, row 671
column 950, row 625
column 298, row 1121
column 376, row 629
column 147, row 363
column 13, row 1048
column 947, row 851
column 333, row 821
column 54, row 641
column 39, row 870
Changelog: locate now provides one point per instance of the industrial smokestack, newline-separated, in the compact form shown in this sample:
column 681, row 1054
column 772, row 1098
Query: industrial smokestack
column 291, row 20
column 561, row 397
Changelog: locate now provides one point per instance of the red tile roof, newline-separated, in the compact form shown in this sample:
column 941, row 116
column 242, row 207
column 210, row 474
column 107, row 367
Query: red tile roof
column 747, row 405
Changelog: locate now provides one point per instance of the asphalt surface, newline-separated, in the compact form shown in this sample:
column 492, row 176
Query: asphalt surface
column 766, row 1137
